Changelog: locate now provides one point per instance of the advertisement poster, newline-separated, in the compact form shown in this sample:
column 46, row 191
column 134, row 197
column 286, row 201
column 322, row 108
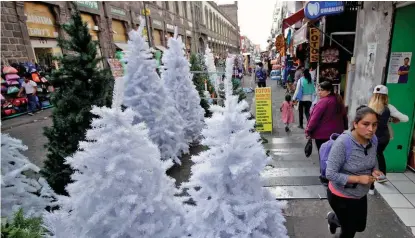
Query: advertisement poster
column 399, row 66
column 263, row 105
column 370, row 60
column 116, row 68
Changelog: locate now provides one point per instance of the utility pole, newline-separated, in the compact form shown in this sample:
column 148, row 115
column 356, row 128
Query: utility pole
column 147, row 26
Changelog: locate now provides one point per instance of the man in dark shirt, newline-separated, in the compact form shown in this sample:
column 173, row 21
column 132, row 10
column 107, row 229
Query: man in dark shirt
column 403, row 71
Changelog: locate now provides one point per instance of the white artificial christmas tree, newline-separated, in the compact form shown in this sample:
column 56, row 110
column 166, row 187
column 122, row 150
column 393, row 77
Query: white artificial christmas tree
column 147, row 95
column 210, row 63
column 18, row 190
column 178, row 79
column 120, row 186
column 231, row 201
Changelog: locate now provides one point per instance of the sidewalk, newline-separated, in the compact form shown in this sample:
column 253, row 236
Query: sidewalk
column 293, row 177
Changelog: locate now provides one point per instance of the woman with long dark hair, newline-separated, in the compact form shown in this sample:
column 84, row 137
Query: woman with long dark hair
column 351, row 169
column 304, row 94
column 327, row 117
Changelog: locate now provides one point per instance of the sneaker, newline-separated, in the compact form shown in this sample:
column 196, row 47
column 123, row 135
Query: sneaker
column 30, row 114
column 371, row 192
column 332, row 227
column 324, row 181
column 287, row 129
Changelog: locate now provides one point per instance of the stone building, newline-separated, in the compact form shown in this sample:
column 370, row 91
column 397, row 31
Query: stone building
column 29, row 30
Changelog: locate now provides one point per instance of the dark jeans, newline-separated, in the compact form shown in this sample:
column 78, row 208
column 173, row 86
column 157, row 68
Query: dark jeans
column 319, row 142
column 31, row 103
column 351, row 214
column 262, row 84
column 381, row 157
column 304, row 107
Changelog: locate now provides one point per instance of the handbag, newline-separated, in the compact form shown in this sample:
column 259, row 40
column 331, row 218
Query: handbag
column 12, row 89
column 308, row 149
column 35, row 77
column 10, row 77
column 300, row 90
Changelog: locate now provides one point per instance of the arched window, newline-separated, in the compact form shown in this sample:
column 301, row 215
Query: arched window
column 206, row 17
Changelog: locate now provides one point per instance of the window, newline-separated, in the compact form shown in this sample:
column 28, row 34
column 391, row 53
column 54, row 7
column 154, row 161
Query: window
column 206, row 17
column 166, row 6
column 210, row 19
column 185, row 9
column 176, row 8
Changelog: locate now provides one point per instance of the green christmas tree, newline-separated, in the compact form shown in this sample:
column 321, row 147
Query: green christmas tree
column 197, row 64
column 80, row 84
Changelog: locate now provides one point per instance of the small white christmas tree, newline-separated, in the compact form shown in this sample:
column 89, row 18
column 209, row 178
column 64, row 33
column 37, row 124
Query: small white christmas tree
column 210, row 63
column 31, row 193
column 178, row 79
column 146, row 94
column 120, row 185
column 231, row 201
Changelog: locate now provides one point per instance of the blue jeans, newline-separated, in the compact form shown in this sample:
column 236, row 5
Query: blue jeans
column 31, row 103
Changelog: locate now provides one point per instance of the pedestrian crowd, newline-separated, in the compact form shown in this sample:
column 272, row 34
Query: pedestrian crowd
column 351, row 158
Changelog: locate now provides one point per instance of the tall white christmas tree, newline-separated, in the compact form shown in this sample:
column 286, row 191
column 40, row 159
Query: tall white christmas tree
column 120, row 185
column 231, row 201
column 21, row 186
column 147, row 95
column 210, row 63
column 178, row 79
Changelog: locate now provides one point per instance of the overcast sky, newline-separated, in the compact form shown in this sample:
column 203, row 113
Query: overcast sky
column 255, row 19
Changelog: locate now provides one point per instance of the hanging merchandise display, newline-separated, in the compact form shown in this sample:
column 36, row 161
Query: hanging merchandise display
column 280, row 44
column 330, row 55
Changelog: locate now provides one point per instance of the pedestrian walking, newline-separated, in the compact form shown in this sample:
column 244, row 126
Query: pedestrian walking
column 287, row 112
column 261, row 75
column 328, row 116
column 30, row 88
column 379, row 102
column 304, row 95
column 351, row 169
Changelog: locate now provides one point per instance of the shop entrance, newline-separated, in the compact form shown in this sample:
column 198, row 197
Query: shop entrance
column 401, row 88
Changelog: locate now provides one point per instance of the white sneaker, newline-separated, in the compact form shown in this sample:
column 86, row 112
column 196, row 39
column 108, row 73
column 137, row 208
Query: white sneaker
column 371, row 192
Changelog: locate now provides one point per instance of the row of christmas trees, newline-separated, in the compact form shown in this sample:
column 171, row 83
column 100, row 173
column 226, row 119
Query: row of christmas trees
column 120, row 187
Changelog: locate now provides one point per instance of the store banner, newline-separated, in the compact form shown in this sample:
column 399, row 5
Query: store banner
column 40, row 20
column 300, row 36
column 263, row 104
column 116, row 68
column 316, row 9
column 314, row 44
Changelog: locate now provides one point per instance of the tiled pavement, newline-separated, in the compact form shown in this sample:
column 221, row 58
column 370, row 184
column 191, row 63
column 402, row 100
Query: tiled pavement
column 399, row 193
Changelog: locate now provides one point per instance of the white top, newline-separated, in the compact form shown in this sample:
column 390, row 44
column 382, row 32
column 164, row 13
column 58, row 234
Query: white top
column 397, row 114
column 29, row 87
column 305, row 97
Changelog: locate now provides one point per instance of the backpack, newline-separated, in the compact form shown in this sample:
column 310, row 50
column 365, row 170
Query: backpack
column 260, row 74
column 326, row 147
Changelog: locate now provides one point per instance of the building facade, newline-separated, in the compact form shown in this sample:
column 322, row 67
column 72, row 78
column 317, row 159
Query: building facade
column 30, row 29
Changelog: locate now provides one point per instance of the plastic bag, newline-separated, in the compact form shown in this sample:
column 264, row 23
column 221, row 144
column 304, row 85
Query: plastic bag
column 308, row 149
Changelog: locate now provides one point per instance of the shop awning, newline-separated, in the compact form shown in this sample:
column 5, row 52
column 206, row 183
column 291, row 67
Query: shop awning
column 160, row 47
column 291, row 20
column 122, row 46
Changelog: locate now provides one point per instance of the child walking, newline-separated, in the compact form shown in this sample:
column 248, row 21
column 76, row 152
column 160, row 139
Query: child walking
column 287, row 115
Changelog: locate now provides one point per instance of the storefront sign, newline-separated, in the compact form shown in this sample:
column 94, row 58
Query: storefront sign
column 399, row 67
column 314, row 9
column 170, row 27
column 40, row 21
column 300, row 36
column 314, row 44
column 146, row 12
column 88, row 4
column 118, row 11
column 157, row 23
column 116, row 68
column 263, row 105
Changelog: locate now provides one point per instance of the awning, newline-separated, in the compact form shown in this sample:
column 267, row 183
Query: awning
column 300, row 36
column 291, row 20
column 122, row 46
column 160, row 47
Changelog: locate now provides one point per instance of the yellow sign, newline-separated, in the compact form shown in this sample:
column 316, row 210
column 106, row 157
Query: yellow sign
column 119, row 32
column 146, row 12
column 40, row 21
column 314, row 44
column 263, row 104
